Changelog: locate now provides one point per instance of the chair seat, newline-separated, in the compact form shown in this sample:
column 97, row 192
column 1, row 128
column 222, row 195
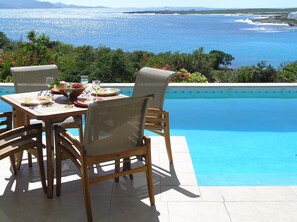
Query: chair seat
column 69, row 121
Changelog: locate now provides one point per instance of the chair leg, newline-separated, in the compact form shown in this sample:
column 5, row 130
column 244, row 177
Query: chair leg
column 149, row 176
column 19, row 159
column 167, row 137
column 29, row 159
column 127, row 166
column 12, row 162
column 117, row 169
column 58, row 170
column 80, row 130
column 86, row 192
column 41, row 168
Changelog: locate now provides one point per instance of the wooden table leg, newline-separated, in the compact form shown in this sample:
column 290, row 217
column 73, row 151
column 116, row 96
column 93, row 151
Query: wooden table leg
column 50, row 159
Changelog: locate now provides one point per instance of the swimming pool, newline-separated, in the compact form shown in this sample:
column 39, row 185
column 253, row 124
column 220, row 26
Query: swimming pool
column 237, row 136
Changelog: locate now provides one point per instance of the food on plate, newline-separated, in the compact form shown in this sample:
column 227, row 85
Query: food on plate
column 40, row 100
column 77, row 85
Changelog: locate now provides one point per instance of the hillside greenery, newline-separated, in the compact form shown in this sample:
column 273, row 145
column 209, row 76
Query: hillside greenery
column 115, row 66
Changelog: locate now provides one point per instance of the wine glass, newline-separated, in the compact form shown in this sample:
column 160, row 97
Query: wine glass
column 68, row 90
column 49, row 81
column 96, row 86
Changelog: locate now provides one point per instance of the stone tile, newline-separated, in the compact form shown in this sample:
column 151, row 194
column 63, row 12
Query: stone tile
column 180, row 193
column 135, row 189
column 198, row 211
column 184, row 179
column 242, row 193
column 177, row 195
column 20, row 208
column 276, row 193
column 294, row 189
column 178, row 145
column 72, row 208
column 74, row 188
column 209, row 193
column 256, row 193
column 177, row 157
column 179, row 167
column 262, row 211
column 123, row 209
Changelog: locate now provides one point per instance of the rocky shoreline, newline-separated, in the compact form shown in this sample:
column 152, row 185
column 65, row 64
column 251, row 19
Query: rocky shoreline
column 277, row 20
column 276, row 16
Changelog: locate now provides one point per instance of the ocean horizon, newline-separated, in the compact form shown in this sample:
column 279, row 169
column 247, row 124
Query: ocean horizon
column 248, row 42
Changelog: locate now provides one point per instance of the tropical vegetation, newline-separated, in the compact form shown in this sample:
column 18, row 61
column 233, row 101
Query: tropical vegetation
column 116, row 65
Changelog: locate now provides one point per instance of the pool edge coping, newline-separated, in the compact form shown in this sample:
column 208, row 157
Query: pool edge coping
column 196, row 84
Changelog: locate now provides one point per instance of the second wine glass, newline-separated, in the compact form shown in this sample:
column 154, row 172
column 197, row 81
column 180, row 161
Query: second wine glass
column 68, row 90
column 49, row 81
column 96, row 86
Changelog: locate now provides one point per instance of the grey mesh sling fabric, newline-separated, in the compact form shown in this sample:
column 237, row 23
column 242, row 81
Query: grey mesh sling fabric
column 152, row 81
column 33, row 78
column 114, row 132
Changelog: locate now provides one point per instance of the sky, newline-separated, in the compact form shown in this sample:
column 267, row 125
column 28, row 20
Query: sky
column 184, row 3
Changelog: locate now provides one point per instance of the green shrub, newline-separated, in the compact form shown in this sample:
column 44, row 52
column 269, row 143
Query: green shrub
column 197, row 77
column 287, row 73
column 259, row 73
column 110, row 65
column 184, row 76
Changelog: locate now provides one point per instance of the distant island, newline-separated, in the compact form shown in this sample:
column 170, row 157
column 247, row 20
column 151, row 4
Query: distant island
column 34, row 4
column 279, row 16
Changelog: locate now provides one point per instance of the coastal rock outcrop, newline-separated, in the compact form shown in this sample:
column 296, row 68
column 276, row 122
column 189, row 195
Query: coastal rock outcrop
column 292, row 15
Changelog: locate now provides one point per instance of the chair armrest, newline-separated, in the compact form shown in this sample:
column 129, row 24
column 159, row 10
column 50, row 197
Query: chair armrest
column 69, row 141
column 19, row 139
column 146, row 138
column 156, row 111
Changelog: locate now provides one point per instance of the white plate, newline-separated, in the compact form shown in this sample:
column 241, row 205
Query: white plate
column 106, row 92
column 41, row 100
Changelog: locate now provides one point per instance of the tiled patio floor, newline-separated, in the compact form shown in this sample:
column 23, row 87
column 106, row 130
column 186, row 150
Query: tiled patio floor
column 178, row 196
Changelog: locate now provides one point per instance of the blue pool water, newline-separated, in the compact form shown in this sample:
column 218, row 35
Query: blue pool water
column 236, row 137
column 239, row 141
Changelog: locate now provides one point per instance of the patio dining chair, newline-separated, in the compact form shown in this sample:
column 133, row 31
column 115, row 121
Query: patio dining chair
column 114, row 133
column 33, row 78
column 152, row 81
column 15, row 140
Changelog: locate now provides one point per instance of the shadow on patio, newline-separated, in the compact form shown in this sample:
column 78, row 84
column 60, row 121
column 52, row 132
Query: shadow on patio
column 22, row 198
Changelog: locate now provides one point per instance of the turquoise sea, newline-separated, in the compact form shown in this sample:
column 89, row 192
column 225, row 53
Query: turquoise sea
column 248, row 42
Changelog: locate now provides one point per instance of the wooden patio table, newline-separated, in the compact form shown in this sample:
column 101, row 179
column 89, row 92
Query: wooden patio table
column 50, row 114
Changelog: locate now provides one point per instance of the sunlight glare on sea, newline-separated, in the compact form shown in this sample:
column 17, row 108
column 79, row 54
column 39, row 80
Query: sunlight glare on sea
column 247, row 41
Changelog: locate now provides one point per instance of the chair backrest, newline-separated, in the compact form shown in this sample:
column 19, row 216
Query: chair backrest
column 32, row 78
column 153, row 81
column 115, row 125
column 5, row 121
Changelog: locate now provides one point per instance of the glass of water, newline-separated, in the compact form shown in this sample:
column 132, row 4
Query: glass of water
column 84, row 79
